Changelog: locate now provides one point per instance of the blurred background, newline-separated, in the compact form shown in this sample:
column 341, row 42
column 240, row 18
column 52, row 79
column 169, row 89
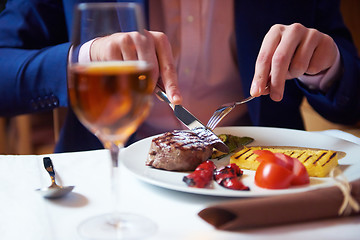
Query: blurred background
column 37, row 133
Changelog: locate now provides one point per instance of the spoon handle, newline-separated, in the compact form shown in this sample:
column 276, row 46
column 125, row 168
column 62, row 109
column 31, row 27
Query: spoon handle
column 49, row 168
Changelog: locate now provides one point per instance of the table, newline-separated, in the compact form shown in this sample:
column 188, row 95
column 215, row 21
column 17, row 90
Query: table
column 24, row 214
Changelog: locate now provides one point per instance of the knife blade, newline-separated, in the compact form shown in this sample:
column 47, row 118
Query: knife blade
column 180, row 112
column 189, row 120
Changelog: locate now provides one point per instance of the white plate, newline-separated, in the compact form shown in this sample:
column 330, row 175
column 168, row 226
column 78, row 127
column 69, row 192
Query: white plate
column 135, row 156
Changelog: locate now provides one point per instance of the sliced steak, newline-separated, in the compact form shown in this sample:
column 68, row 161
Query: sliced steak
column 179, row 151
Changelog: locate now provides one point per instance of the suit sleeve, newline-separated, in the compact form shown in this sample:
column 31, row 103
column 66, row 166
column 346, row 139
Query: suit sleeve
column 341, row 103
column 33, row 56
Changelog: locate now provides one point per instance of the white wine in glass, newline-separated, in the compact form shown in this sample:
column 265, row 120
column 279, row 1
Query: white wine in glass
column 110, row 98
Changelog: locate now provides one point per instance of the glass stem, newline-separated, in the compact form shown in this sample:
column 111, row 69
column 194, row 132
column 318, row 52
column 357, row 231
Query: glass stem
column 115, row 176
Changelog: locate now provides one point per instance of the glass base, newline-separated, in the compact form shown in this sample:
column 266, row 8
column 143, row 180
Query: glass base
column 117, row 226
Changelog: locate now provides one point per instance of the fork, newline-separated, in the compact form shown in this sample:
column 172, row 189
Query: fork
column 224, row 110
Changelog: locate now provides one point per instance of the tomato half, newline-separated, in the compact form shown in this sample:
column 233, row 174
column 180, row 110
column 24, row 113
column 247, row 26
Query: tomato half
column 301, row 175
column 286, row 161
column 277, row 158
column 265, row 155
column 277, row 170
column 273, row 176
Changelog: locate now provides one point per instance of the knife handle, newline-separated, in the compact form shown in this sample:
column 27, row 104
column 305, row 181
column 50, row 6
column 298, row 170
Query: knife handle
column 160, row 92
column 160, row 85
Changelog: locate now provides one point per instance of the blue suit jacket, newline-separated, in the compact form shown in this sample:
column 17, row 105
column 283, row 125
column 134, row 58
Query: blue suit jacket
column 34, row 44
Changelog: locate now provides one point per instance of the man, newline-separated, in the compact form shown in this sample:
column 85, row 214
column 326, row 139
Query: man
column 267, row 42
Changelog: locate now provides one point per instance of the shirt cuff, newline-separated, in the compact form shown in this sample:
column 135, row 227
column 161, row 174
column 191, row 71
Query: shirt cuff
column 84, row 52
column 323, row 80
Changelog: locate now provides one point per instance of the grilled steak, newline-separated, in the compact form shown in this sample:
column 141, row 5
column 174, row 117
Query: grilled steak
column 210, row 138
column 179, row 150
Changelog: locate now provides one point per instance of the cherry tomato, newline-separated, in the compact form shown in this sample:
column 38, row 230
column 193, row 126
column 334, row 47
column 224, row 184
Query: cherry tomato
column 277, row 158
column 286, row 161
column 265, row 155
column 273, row 176
column 301, row 175
column 277, row 170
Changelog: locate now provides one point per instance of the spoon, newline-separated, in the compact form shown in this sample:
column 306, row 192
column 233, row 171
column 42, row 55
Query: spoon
column 54, row 190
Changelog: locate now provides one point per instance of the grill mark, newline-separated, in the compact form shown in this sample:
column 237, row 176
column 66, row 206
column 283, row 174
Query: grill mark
column 292, row 153
column 237, row 157
column 186, row 140
column 302, row 153
column 307, row 158
column 330, row 158
column 319, row 158
column 249, row 156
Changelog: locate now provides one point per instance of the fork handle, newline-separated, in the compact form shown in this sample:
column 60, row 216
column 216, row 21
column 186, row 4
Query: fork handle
column 250, row 98
column 245, row 100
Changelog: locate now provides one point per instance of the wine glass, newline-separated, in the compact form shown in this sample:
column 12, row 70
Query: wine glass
column 111, row 99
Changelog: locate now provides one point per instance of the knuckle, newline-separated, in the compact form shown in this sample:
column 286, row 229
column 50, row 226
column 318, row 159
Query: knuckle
column 277, row 27
column 136, row 37
column 126, row 39
column 161, row 37
column 297, row 69
column 279, row 59
column 313, row 34
column 297, row 27
column 264, row 58
column 169, row 69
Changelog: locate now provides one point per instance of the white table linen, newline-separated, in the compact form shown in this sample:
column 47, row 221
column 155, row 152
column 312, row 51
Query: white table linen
column 24, row 214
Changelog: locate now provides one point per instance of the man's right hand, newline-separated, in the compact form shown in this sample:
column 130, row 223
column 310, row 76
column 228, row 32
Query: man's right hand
column 150, row 46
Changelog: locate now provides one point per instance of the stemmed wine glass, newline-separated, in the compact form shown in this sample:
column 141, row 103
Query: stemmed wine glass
column 110, row 98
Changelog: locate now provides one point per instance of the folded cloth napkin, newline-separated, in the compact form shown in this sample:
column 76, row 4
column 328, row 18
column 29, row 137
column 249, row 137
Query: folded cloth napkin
column 317, row 204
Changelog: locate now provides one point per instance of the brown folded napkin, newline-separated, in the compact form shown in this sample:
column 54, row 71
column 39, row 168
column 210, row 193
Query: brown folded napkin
column 282, row 209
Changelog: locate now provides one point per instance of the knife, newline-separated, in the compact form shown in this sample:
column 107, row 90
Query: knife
column 189, row 120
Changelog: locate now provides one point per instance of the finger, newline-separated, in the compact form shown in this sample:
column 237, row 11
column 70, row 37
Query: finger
column 145, row 46
column 145, row 50
column 127, row 47
column 303, row 54
column 263, row 61
column 282, row 58
column 323, row 57
column 167, row 67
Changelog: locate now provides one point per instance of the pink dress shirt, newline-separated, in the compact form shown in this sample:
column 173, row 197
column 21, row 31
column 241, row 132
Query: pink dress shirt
column 201, row 33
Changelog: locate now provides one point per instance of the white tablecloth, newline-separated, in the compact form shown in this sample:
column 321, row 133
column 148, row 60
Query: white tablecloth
column 24, row 214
